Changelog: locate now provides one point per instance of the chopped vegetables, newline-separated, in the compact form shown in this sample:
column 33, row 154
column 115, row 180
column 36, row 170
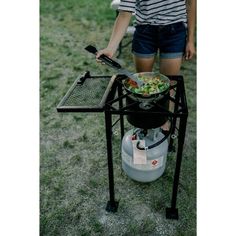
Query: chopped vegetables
column 151, row 85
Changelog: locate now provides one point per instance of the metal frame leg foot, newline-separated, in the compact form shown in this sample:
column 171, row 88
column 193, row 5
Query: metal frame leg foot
column 112, row 206
column 172, row 213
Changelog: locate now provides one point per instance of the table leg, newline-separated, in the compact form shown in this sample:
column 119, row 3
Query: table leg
column 112, row 205
column 172, row 212
column 121, row 115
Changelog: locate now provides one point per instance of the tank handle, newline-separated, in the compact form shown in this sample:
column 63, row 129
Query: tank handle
column 166, row 135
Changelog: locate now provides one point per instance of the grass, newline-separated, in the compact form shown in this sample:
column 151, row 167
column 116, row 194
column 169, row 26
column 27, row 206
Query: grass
column 73, row 165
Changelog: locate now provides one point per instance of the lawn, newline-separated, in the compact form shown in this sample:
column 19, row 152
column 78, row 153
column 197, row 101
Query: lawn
column 73, row 163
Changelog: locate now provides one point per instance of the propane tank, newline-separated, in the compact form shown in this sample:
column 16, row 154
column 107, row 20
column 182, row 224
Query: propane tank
column 155, row 157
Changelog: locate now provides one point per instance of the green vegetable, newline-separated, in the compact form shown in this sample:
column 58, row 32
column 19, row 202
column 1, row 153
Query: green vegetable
column 150, row 86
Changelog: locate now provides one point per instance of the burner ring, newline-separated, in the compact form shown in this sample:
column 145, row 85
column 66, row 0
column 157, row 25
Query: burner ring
column 146, row 105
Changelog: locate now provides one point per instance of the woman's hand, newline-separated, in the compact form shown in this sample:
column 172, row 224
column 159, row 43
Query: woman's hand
column 106, row 51
column 189, row 50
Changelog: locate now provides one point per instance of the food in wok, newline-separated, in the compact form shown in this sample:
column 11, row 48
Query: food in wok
column 152, row 85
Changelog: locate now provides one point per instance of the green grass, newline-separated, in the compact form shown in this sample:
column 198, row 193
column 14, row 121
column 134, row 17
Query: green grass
column 73, row 165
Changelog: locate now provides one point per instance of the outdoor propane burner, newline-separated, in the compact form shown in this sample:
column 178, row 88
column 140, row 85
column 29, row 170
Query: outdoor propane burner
column 107, row 94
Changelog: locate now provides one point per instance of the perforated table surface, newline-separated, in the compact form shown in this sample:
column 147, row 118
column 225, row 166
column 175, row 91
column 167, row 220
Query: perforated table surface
column 87, row 94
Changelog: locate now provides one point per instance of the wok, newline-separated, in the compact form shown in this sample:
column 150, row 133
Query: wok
column 140, row 94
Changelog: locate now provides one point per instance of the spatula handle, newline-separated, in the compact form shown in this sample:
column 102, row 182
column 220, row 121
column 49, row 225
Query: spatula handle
column 107, row 60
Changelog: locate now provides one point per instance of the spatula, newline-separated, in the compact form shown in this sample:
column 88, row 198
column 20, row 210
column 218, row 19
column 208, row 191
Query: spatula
column 115, row 65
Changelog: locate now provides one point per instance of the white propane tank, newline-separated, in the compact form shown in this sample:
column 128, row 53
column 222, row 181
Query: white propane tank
column 155, row 160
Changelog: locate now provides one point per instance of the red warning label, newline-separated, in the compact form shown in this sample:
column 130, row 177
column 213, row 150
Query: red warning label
column 155, row 162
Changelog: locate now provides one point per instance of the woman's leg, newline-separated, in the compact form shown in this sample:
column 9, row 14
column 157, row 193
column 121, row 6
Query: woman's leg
column 167, row 66
column 170, row 67
column 144, row 64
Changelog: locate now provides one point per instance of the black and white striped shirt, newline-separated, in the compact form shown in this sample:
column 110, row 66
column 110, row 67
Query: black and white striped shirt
column 156, row 12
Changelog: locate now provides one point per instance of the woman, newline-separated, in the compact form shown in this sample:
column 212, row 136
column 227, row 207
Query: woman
column 164, row 25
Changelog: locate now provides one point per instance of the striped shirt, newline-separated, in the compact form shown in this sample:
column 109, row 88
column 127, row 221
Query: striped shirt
column 156, row 12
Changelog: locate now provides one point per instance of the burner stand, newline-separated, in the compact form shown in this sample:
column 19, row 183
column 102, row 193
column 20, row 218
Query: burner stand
column 111, row 101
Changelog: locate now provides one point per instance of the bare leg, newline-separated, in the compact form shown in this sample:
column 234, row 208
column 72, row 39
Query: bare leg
column 144, row 64
column 167, row 67
column 170, row 67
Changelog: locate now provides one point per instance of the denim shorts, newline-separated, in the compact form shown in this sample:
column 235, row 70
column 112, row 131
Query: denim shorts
column 170, row 40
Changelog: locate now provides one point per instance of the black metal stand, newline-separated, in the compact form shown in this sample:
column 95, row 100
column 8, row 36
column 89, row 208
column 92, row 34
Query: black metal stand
column 180, row 112
column 120, row 93
column 174, row 119
column 172, row 212
column 112, row 205
column 111, row 103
